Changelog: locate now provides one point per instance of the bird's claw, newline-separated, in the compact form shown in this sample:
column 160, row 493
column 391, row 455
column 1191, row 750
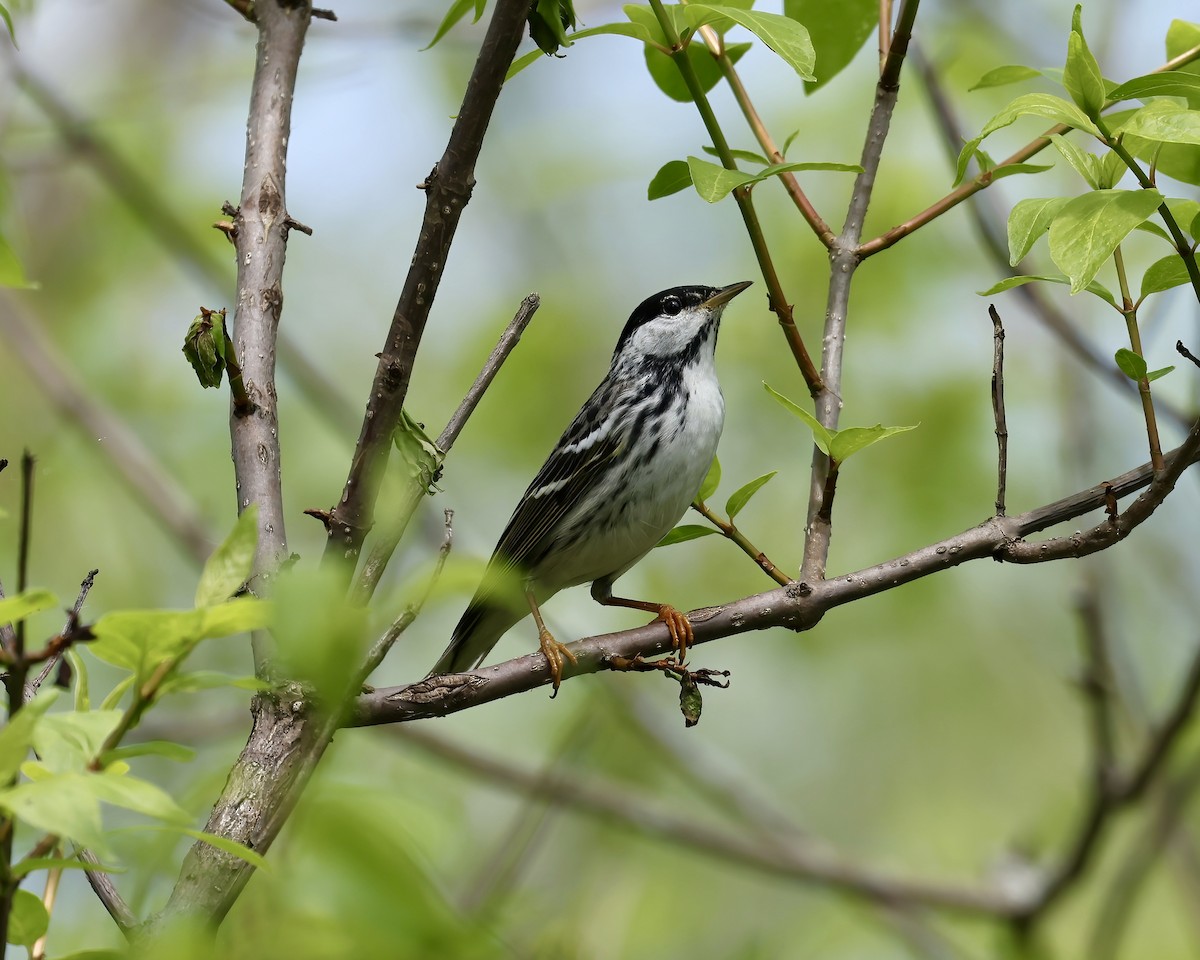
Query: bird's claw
column 555, row 653
column 680, row 628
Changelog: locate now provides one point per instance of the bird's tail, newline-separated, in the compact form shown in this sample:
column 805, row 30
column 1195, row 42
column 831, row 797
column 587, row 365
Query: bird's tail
column 482, row 625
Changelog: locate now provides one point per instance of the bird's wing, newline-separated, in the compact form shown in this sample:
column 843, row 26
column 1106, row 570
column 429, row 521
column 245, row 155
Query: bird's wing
column 596, row 435
column 582, row 454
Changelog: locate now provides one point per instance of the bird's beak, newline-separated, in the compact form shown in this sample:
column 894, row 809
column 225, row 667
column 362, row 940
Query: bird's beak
column 725, row 294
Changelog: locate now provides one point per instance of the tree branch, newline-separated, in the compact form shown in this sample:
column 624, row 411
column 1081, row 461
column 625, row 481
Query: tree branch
column 261, row 239
column 447, row 191
column 798, row 606
column 844, row 258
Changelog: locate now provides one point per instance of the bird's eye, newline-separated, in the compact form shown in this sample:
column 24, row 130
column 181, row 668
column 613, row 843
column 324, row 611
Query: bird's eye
column 671, row 306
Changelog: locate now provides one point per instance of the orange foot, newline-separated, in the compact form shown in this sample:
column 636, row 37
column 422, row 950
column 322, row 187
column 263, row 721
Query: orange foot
column 680, row 627
column 554, row 652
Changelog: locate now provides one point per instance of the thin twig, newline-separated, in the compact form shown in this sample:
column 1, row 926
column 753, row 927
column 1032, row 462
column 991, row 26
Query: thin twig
column 1186, row 353
column 730, row 531
column 508, row 341
column 400, row 512
column 1115, row 793
column 84, row 588
column 108, row 894
column 800, row 606
column 447, row 191
column 998, row 409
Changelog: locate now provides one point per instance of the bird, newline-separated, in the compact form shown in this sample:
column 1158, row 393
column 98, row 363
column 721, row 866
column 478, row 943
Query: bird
column 618, row 480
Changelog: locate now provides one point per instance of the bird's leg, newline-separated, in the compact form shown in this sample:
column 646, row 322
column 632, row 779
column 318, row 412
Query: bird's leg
column 552, row 650
column 677, row 622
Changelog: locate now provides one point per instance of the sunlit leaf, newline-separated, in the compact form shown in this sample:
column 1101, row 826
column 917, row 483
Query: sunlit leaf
column 1087, row 229
column 70, row 741
column 837, row 31
column 151, row 748
column 458, row 10
column 1009, row 283
column 1166, row 122
column 741, row 496
column 851, row 440
column 28, row 919
column 712, row 480
column 1028, row 220
column 1085, row 163
column 821, row 436
column 1002, row 76
column 1081, row 75
column 685, row 532
column 13, row 609
column 1133, row 366
column 1169, row 83
column 16, row 737
column 230, row 565
column 789, row 39
column 672, row 176
column 1164, row 274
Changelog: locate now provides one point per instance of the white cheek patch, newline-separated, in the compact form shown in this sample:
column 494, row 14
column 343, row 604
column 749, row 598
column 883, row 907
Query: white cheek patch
column 668, row 335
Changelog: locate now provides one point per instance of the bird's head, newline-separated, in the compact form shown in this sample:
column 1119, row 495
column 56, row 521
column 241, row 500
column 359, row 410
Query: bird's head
column 676, row 321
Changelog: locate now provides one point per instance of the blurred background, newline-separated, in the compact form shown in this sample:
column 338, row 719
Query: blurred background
column 934, row 732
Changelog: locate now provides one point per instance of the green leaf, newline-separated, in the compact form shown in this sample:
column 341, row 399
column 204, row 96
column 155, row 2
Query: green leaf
column 28, row 920
column 715, row 182
column 821, row 436
column 1043, row 105
column 140, row 796
column 232, row 847
column 1012, row 169
column 786, row 37
column 231, row 564
column 62, row 805
column 14, row 609
column 741, row 496
column 1112, row 170
column 1169, row 83
column 1185, row 212
column 1087, row 229
column 12, row 274
column 1182, row 37
column 1084, row 163
column 672, row 177
column 7, row 18
column 1133, row 366
column 82, row 698
column 25, row 867
column 1002, row 76
column 691, row 701
column 70, row 741
column 204, row 347
column 712, row 480
column 669, row 80
column 1081, row 75
column 1028, row 220
column 151, row 748
column 420, row 457
column 1009, row 282
column 17, row 736
column 685, row 532
column 1156, row 374
column 458, row 10
column 522, row 62
column 1164, row 274
column 837, row 31
column 549, row 21
column 193, row 680
column 749, row 156
column 139, row 640
column 849, row 441
column 1164, row 121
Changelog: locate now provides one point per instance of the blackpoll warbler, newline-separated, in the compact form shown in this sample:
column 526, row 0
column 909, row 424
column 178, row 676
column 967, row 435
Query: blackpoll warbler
column 617, row 481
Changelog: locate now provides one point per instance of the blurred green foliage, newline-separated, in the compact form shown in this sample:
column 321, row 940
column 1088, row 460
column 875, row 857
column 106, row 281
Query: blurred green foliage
column 934, row 731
